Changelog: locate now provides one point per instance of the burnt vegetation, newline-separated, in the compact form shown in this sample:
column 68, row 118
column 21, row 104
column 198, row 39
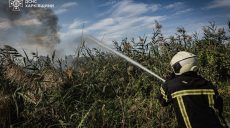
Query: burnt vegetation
column 100, row 89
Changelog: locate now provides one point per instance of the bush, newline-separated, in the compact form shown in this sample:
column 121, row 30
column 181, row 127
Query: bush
column 102, row 90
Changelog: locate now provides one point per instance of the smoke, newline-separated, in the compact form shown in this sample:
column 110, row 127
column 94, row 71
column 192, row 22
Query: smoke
column 30, row 29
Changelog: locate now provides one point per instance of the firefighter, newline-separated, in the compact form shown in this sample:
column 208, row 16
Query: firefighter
column 194, row 99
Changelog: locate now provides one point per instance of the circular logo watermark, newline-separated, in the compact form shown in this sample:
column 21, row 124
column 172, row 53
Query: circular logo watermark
column 15, row 4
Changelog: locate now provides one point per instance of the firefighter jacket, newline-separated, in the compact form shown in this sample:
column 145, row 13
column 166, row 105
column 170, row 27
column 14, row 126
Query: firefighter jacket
column 195, row 101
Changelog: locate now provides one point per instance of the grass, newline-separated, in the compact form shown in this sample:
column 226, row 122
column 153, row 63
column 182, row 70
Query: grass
column 102, row 90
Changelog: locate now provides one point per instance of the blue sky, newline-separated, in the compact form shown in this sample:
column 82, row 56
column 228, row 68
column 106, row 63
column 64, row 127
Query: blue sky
column 115, row 19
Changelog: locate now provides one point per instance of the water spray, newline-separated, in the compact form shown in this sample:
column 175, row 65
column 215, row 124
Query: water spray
column 89, row 38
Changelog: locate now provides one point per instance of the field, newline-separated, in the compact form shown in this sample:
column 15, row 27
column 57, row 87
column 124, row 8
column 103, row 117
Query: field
column 100, row 89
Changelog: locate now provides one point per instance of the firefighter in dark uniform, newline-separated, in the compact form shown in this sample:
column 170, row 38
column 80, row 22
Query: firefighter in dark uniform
column 195, row 100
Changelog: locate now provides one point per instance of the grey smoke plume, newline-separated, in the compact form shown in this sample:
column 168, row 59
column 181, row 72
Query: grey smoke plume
column 30, row 28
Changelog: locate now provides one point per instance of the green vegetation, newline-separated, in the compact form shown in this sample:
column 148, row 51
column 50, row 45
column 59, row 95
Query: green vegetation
column 103, row 90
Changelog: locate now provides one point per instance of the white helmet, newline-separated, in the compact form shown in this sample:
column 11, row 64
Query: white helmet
column 183, row 62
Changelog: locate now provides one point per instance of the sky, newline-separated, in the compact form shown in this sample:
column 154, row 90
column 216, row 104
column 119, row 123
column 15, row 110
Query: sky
column 107, row 20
